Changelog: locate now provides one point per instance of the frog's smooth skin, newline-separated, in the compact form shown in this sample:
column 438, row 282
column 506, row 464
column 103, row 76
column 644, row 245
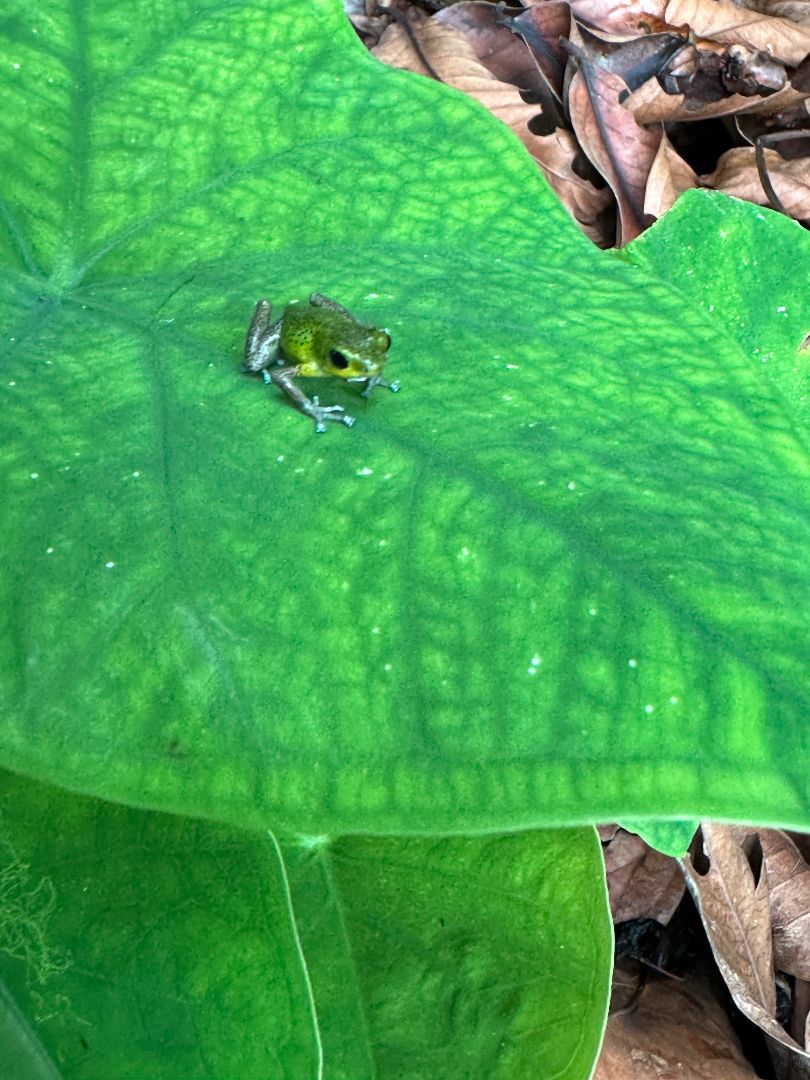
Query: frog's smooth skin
column 316, row 340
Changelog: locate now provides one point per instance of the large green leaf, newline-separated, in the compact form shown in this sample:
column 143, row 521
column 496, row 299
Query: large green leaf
column 141, row 945
column 560, row 577
column 758, row 297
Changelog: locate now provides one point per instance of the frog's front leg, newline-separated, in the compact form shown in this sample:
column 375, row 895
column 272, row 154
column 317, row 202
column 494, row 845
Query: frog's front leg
column 262, row 341
column 375, row 380
column 283, row 377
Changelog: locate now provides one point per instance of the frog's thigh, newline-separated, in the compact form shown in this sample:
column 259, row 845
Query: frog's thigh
column 261, row 345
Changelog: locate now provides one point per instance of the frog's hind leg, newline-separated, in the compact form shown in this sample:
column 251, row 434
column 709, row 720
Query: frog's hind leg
column 319, row 300
column 262, row 341
column 283, row 377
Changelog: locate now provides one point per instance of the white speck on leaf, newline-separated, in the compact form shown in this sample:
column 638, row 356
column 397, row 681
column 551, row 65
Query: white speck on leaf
column 632, row 662
column 311, row 843
column 365, row 471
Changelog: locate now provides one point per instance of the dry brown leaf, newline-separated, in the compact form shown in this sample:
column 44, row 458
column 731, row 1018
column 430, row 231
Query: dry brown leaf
column 364, row 18
column 736, row 174
column 669, row 177
column 752, row 127
column 800, row 79
column 787, row 1064
column 541, row 27
column 797, row 11
column 642, row 882
column 675, row 1031
column 507, row 56
column 726, row 21
column 789, row 885
column 621, row 150
column 480, row 48
column 649, row 104
column 452, row 58
column 651, row 24
column 750, row 71
column 635, row 60
column 734, row 910
column 736, row 917
column 617, row 16
column 500, row 51
column 607, row 832
column 800, row 1012
column 556, row 155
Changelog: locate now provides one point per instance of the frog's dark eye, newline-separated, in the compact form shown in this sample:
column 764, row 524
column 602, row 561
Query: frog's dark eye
column 338, row 359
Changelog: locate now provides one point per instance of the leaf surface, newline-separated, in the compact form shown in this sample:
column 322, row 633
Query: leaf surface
column 139, row 944
column 561, row 577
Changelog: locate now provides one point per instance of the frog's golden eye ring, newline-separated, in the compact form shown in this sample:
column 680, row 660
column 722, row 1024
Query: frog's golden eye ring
column 338, row 359
column 383, row 340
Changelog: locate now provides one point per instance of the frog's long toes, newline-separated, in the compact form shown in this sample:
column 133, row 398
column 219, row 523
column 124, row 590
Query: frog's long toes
column 376, row 380
column 321, row 413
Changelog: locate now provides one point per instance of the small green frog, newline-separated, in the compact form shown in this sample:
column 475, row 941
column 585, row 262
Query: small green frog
column 316, row 340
